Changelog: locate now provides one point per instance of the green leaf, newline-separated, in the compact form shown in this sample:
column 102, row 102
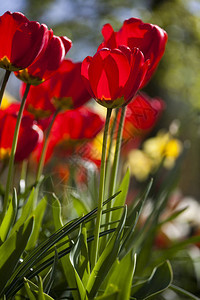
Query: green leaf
column 38, row 213
column 80, row 207
column 65, row 261
column 32, row 285
column 173, row 216
column 41, row 251
column 121, row 198
column 26, row 212
column 56, row 210
column 79, row 260
column 36, row 291
column 183, row 292
column 28, row 290
column 70, row 276
column 52, row 274
column 110, row 296
column 137, row 208
column 40, row 290
column 84, row 264
column 159, row 280
column 12, row 249
column 9, row 218
column 80, row 286
column 79, row 256
column 106, row 259
column 130, row 239
column 122, row 276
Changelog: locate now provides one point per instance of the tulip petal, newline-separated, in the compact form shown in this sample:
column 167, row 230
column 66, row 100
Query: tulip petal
column 66, row 42
column 108, row 73
column 84, row 72
column 109, row 37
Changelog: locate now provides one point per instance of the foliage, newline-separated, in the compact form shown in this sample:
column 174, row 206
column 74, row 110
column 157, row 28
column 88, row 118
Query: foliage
column 126, row 269
column 70, row 241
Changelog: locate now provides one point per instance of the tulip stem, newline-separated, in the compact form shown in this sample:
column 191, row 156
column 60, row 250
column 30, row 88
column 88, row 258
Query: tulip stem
column 114, row 171
column 94, row 254
column 108, row 165
column 13, row 151
column 44, row 149
column 3, row 86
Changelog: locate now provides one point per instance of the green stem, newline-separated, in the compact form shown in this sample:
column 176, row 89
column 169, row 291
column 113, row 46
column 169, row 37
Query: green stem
column 101, row 191
column 44, row 149
column 13, row 150
column 108, row 165
column 5, row 80
column 113, row 177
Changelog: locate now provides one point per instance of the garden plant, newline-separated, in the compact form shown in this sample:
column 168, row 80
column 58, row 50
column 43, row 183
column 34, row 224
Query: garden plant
column 71, row 226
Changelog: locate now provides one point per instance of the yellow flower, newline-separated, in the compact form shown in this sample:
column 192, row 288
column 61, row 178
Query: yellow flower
column 139, row 163
column 163, row 147
column 155, row 147
column 172, row 151
column 173, row 148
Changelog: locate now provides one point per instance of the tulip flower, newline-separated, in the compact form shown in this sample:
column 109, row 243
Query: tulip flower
column 21, row 41
column 59, row 92
column 113, row 76
column 68, row 90
column 29, row 134
column 42, row 68
column 47, row 63
column 38, row 101
column 70, row 130
column 149, row 38
column 142, row 114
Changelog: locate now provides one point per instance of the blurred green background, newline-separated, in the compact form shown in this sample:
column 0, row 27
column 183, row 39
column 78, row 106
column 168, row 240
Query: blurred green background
column 177, row 80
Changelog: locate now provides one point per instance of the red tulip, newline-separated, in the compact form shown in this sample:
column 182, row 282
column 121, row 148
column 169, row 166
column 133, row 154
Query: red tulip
column 59, row 92
column 29, row 134
column 67, row 88
column 21, row 41
column 114, row 76
column 71, row 129
column 38, row 100
column 149, row 38
column 141, row 114
column 47, row 63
